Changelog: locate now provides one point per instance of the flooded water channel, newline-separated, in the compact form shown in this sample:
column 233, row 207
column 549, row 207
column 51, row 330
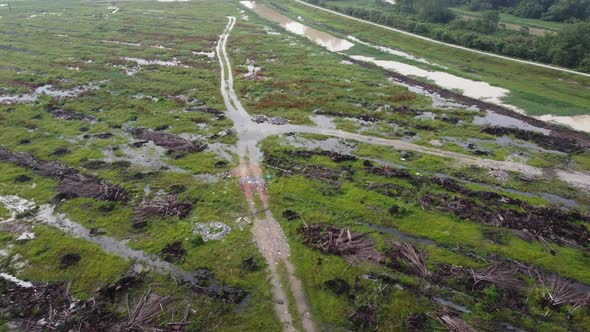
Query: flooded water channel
column 326, row 40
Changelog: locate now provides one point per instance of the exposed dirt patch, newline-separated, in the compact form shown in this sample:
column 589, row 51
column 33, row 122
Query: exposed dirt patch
column 69, row 260
column 173, row 252
column 365, row 317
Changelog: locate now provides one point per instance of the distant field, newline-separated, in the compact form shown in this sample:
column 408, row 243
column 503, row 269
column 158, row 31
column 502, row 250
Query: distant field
column 511, row 19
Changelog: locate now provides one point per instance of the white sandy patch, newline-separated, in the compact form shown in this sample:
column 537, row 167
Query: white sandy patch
column 21, row 283
column 142, row 62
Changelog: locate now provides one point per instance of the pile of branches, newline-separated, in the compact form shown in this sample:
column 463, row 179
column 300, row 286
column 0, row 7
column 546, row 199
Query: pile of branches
column 501, row 275
column 72, row 182
column 144, row 313
column 550, row 223
column 559, row 292
column 52, row 307
column 567, row 145
column 49, row 307
column 340, row 241
column 69, row 115
column 204, row 109
column 452, row 322
column 311, row 171
column 168, row 141
column 402, row 253
column 209, row 110
column 334, row 156
column 388, row 172
column 81, row 185
column 48, row 168
column 161, row 206
column 365, row 316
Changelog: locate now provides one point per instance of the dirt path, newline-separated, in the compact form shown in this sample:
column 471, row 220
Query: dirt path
column 268, row 234
column 446, row 44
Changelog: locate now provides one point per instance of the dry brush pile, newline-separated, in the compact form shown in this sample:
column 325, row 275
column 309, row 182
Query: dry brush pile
column 340, row 241
column 168, row 141
column 161, row 206
column 72, row 182
column 51, row 307
column 69, row 115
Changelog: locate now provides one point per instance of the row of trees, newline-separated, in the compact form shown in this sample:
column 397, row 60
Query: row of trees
column 550, row 10
column 569, row 48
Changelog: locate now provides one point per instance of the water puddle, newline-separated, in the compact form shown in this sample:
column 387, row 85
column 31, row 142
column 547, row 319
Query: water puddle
column 326, row 40
column 253, row 70
column 495, row 119
column 46, row 214
column 48, row 90
column 210, row 55
column 389, row 51
column 452, row 305
column 148, row 155
column 329, row 144
column 577, row 122
column 323, row 121
column 142, row 62
column 120, row 43
column 270, row 31
column 474, row 89
column 400, row 235
column 426, row 116
column 224, row 151
column 437, row 101
column 206, row 178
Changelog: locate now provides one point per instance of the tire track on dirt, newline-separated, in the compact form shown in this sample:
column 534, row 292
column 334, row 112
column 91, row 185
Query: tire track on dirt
column 268, row 234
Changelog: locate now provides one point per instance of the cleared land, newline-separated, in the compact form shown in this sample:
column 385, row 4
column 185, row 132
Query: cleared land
column 202, row 166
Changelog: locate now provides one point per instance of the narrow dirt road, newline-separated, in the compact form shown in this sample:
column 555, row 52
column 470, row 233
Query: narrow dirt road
column 446, row 44
column 268, row 234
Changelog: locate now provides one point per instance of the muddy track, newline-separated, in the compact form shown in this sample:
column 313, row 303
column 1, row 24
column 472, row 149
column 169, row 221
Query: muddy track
column 268, row 234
